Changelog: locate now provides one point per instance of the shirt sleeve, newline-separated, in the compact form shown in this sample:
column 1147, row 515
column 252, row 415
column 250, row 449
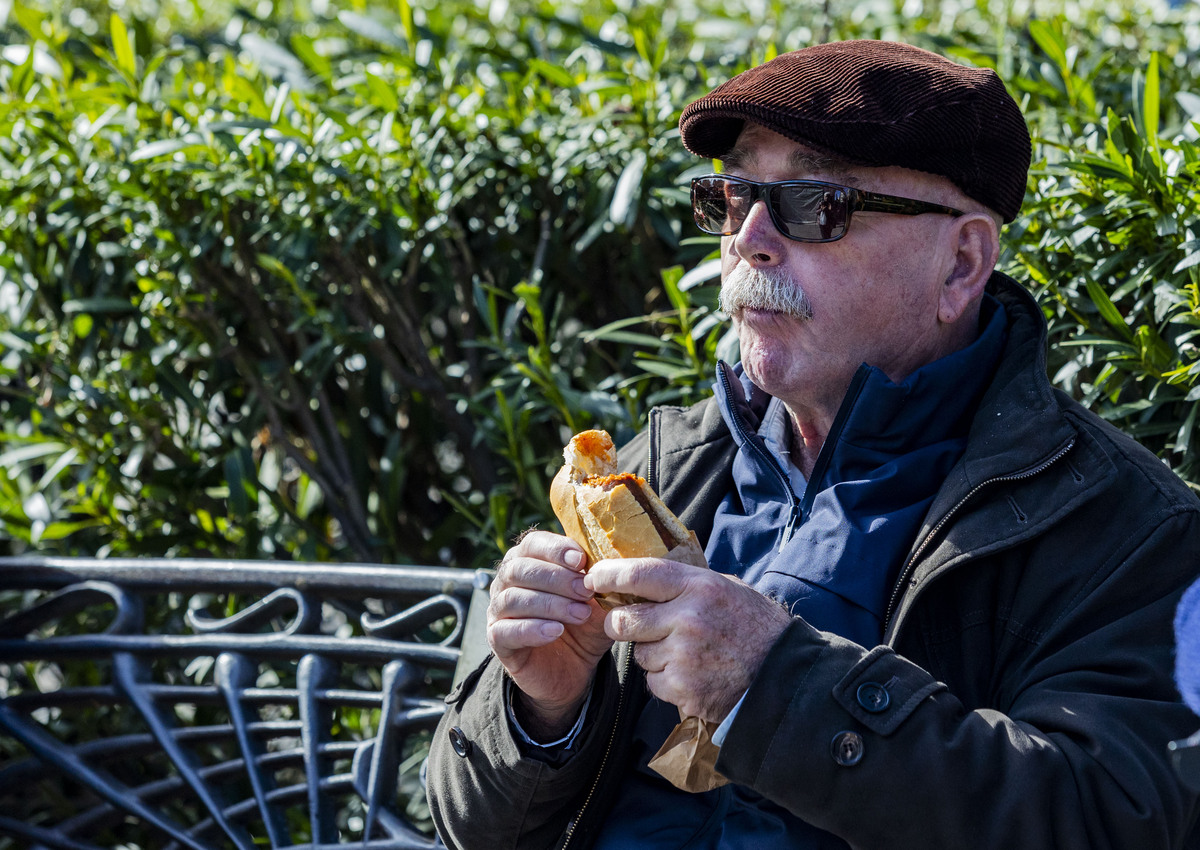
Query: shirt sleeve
column 538, row 749
column 718, row 737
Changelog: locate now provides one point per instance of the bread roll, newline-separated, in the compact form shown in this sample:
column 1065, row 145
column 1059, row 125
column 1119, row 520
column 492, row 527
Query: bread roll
column 615, row 515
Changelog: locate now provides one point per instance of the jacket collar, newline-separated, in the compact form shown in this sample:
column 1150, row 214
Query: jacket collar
column 1019, row 422
column 1023, row 427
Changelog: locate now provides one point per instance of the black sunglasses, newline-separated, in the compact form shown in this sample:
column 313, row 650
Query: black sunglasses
column 804, row 210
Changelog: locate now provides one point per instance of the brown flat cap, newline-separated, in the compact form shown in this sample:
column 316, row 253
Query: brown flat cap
column 878, row 103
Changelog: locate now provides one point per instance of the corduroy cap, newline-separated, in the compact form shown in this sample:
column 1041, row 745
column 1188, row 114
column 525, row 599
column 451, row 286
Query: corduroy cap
column 878, row 103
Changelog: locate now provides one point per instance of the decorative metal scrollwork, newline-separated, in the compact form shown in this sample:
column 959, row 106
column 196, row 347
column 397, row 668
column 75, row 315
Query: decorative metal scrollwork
column 306, row 618
column 131, row 714
column 419, row 616
column 127, row 609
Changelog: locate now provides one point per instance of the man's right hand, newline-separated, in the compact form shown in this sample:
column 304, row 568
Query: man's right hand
column 546, row 629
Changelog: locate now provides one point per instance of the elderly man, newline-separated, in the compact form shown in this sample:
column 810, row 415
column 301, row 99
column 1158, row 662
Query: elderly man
column 939, row 610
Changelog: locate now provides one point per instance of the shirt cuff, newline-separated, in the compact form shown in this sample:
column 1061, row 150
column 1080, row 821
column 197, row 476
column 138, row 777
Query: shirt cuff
column 565, row 742
column 718, row 737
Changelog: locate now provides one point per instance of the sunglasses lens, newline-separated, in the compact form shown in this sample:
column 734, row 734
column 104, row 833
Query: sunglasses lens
column 719, row 205
column 809, row 213
column 805, row 212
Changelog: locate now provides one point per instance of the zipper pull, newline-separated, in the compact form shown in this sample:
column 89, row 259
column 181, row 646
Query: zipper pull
column 792, row 524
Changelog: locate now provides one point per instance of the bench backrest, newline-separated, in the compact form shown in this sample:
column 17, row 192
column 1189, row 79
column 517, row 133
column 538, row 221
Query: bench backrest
column 205, row 704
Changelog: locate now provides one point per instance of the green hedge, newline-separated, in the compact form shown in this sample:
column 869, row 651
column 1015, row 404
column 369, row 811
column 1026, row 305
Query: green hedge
column 336, row 281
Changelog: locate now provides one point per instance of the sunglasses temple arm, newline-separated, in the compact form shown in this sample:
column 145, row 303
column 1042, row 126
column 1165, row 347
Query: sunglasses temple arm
column 871, row 202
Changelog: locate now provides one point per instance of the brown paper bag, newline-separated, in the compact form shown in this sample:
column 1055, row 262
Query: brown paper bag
column 688, row 757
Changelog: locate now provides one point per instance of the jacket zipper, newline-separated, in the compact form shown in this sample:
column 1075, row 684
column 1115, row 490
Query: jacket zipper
column 910, row 565
column 795, row 514
column 652, row 459
column 622, row 688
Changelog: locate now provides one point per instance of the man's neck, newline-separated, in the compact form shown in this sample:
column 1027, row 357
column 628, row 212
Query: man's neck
column 807, row 435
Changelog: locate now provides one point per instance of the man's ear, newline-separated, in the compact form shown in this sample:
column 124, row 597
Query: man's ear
column 975, row 242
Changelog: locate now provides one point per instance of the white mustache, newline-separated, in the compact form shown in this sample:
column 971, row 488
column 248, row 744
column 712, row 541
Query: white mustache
column 763, row 289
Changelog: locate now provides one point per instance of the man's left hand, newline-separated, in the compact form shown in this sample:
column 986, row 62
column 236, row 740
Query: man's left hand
column 702, row 636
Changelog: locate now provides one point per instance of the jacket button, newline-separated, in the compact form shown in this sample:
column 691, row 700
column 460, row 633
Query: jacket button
column 873, row 697
column 847, row 748
column 458, row 740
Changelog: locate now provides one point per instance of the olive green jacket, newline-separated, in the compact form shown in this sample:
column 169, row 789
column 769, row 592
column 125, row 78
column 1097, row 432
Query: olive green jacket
column 1023, row 695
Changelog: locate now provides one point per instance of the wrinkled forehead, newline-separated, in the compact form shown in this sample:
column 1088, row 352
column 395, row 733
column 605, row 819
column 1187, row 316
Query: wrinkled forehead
column 758, row 147
column 761, row 153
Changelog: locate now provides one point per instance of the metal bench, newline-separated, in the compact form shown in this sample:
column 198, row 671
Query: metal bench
column 211, row 704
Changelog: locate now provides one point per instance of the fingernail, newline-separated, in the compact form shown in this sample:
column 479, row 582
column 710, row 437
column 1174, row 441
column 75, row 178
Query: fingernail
column 579, row 611
column 579, row 586
column 551, row 630
column 574, row 559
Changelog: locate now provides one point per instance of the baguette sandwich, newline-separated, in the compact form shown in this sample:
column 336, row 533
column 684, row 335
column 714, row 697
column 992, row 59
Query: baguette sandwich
column 615, row 514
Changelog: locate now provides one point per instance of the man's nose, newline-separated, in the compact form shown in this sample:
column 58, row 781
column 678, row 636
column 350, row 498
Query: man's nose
column 759, row 242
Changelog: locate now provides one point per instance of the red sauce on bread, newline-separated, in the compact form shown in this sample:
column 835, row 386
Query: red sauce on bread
column 591, row 443
column 607, row 482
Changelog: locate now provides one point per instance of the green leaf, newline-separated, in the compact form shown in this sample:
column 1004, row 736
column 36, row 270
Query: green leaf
column 1108, row 311
column 239, row 125
column 639, row 43
column 162, row 147
column 1154, row 350
column 671, row 278
column 370, row 29
column 530, row 295
column 14, row 342
column 1150, row 103
column 240, row 476
column 623, row 209
column 276, row 267
column 306, row 51
column 25, row 74
column 1191, row 258
column 1049, row 41
column 1101, row 381
column 60, row 465
column 98, row 305
column 271, row 54
column 309, row 496
column 382, row 92
column 1187, row 430
column 498, row 511
column 462, row 508
column 63, row 530
column 99, row 124
column 122, row 45
column 406, row 21
column 667, row 370
column 552, row 73
column 37, row 451
column 623, row 337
